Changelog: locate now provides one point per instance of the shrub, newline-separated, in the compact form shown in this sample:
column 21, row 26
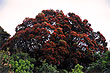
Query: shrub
column 102, row 65
column 63, row 40
column 18, row 63
column 4, row 61
column 77, row 69
column 46, row 68
column 22, row 63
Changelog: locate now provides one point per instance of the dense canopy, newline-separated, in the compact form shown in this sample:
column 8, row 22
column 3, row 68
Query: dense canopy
column 63, row 40
column 3, row 36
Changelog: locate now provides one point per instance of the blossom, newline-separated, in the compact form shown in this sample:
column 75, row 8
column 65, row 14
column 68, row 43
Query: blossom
column 31, row 36
column 85, row 21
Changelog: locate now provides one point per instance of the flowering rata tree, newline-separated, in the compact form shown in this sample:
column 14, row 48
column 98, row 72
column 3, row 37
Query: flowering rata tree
column 63, row 40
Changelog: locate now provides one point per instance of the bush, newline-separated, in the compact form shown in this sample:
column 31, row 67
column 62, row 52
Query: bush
column 77, row 69
column 4, row 61
column 18, row 63
column 22, row 63
column 46, row 68
column 102, row 65
column 63, row 40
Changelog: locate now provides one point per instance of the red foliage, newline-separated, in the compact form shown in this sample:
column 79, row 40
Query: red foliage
column 58, row 38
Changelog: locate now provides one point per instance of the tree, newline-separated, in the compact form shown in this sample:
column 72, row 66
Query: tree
column 63, row 40
column 3, row 36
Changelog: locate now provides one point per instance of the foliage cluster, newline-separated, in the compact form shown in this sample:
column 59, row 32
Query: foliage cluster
column 46, row 68
column 101, row 65
column 22, row 63
column 4, row 61
column 18, row 63
column 3, row 36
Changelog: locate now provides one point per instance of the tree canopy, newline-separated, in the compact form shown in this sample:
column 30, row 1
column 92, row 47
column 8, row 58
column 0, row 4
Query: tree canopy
column 3, row 36
column 63, row 40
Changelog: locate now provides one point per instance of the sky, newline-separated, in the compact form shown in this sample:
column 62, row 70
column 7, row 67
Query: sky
column 97, row 12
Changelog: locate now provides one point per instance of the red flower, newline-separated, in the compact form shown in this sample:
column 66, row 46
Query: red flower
column 85, row 21
column 31, row 36
column 58, row 62
column 38, row 37
column 27, row 29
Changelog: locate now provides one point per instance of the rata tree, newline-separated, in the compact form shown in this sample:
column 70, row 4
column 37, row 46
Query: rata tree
column 3, row 36
column 63, row 40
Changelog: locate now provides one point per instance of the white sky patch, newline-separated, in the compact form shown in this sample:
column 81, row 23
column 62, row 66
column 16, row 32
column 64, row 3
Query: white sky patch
column 2, row 3
column 13, row 12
